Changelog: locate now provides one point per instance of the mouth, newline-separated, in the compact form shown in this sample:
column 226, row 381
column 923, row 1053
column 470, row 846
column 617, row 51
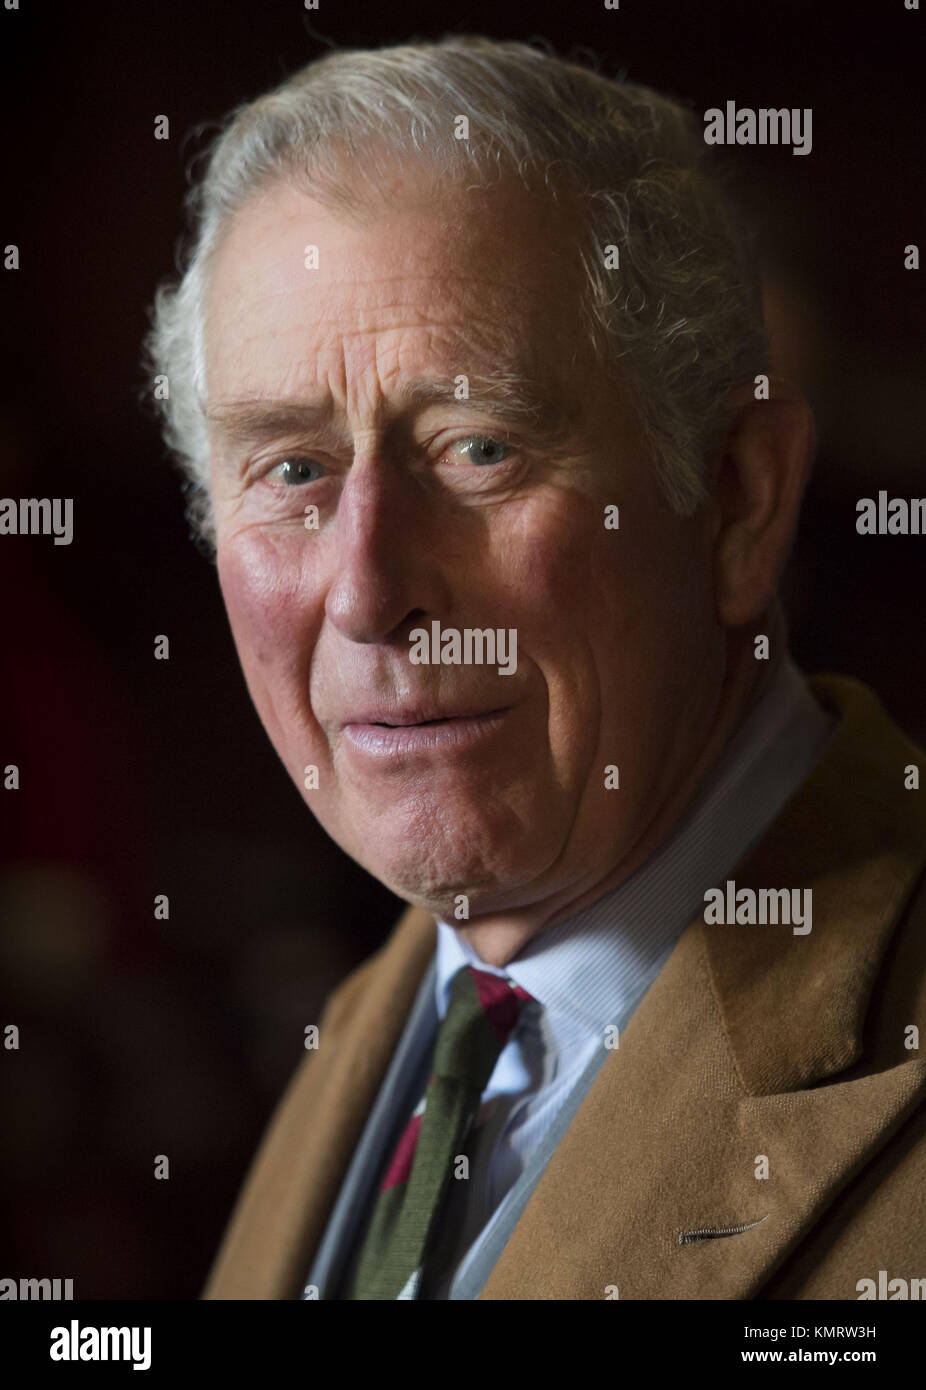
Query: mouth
column 387, row 734
column 417, row 718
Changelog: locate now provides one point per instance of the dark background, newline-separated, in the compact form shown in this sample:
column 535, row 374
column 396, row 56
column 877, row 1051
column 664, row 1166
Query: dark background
column 143, row 1037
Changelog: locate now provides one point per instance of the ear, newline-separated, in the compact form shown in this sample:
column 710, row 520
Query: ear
column 760, row 471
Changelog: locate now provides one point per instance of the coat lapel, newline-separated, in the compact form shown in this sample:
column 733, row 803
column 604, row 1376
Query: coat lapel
column 295, row 1176
column 653, row 1193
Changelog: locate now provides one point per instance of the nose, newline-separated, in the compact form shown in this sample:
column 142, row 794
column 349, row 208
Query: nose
column 387, row 572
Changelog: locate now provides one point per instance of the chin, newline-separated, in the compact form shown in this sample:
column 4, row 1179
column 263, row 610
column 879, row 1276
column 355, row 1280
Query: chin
column 436, row 882
column 428, row 851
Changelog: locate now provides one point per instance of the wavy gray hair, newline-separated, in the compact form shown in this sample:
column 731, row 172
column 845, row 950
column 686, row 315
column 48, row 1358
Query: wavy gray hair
column 680, row 320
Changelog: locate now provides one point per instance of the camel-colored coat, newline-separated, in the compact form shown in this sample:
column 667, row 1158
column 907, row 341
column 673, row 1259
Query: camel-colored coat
column 752, row 1041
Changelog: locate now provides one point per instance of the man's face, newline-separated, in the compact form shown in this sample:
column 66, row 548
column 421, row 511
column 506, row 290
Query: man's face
column 334, row 386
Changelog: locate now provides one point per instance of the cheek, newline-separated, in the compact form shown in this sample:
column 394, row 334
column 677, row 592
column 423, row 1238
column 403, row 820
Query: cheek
column 552, row 556
column 268, row 601
column 542, row 560
column 652, row 583
column 613, row 619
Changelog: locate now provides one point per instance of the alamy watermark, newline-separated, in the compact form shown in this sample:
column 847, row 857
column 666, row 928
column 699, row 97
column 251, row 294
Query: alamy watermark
column 762, row 907
column 896, row 517
column 745, row 125
column 31, row 1289
column 473, row 646
column 891, row 1289
column 76, row 1343
column 38, row 516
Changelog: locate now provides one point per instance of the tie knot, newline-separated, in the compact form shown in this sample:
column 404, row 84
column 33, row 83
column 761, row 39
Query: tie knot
column 480, row 1018
column 501, row 1000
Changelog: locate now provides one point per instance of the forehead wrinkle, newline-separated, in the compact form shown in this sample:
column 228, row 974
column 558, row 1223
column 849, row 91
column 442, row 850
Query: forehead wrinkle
column 505, row 369
column 509, row 396
column 325, row 289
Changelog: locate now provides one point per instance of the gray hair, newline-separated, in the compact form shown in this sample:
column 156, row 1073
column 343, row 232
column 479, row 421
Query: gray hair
column 680, row 319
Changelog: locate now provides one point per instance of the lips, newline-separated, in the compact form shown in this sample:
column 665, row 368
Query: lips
column 417, row 715
column 380, row 742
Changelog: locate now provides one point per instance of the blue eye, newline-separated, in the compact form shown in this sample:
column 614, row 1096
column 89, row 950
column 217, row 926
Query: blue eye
column 485, row 449
column 297, row 470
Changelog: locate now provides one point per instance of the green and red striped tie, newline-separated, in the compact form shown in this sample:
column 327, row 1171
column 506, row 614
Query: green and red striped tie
column 392, row 1259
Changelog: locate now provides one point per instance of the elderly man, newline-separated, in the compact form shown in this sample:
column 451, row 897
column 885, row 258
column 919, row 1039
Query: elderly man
column 468, row 372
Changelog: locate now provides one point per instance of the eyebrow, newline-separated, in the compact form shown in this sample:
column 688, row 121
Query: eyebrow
column 507, row 395
column 510, row 397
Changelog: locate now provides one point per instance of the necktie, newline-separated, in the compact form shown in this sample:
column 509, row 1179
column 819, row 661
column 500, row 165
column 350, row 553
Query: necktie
column 481, row 1015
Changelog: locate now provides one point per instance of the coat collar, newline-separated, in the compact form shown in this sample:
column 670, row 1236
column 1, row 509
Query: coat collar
column 794, row 1006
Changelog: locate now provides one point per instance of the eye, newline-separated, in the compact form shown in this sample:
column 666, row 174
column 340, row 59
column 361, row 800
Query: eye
column 482, row 449
column 296, row 470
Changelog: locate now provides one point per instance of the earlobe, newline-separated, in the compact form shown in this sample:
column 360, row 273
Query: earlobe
column 764, row 467
column 737, row 595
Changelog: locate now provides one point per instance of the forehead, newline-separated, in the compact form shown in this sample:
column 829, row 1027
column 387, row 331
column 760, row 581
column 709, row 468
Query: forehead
column 436, row 277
